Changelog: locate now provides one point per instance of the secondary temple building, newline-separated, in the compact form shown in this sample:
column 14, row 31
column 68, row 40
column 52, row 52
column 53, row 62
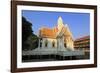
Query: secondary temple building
column 59, row 36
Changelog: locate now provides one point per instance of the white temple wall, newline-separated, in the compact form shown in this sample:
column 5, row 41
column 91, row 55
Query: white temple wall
column 49, row 42
column 59, row 43
column 69, row 43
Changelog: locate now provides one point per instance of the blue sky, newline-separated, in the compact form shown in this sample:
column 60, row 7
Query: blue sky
column 79, row 23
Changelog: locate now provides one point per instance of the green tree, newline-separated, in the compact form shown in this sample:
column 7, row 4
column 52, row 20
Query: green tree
column 26, row 32
column 29, row 39
column 32, row 42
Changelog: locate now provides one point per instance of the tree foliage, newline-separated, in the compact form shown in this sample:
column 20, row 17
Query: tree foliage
column 26, row 29
column 29, row 40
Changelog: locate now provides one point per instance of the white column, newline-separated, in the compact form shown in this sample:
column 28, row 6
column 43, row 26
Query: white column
column 63, row 42
column 39, row 43
column 68, row 42
column 43, row 43
column 58, row 44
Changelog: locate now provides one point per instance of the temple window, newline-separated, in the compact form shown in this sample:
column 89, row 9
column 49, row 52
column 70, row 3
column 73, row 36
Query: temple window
column 53, row 44
column 40, row 42
column 46, row 43
column 65, row 45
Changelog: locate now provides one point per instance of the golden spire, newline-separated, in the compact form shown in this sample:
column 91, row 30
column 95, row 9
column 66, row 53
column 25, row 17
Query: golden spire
column 60, row 21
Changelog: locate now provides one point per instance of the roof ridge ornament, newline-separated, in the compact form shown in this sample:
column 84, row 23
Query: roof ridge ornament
column 60, row 21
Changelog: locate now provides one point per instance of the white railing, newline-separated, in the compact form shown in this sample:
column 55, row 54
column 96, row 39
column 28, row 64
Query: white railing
column 54, row 52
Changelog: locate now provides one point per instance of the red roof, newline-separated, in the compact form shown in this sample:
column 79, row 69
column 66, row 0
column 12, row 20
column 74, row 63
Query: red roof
column 83, row 38
column 48, row 33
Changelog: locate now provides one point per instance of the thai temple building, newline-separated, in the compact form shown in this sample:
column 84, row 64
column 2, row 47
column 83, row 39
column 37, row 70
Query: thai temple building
column 55, row 41
column 58, row 37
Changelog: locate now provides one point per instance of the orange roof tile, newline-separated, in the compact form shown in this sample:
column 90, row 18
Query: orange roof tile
column 48, row 33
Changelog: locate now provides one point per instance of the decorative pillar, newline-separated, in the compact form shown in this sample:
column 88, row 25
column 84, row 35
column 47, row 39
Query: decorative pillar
column 39, row 43
column 58, row 44
column 63, row 42
column 43, row 43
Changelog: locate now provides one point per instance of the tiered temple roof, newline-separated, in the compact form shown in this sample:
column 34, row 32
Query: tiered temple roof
column 60, row 29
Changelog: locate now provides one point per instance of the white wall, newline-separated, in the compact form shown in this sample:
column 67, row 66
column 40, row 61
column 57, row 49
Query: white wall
column 5, row 36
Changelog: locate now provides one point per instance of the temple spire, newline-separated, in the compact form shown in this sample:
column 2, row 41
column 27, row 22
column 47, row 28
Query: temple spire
column 60, row 21
column 60, row 24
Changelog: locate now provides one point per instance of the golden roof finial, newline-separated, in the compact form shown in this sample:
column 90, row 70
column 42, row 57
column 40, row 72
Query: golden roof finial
column 60, row 21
